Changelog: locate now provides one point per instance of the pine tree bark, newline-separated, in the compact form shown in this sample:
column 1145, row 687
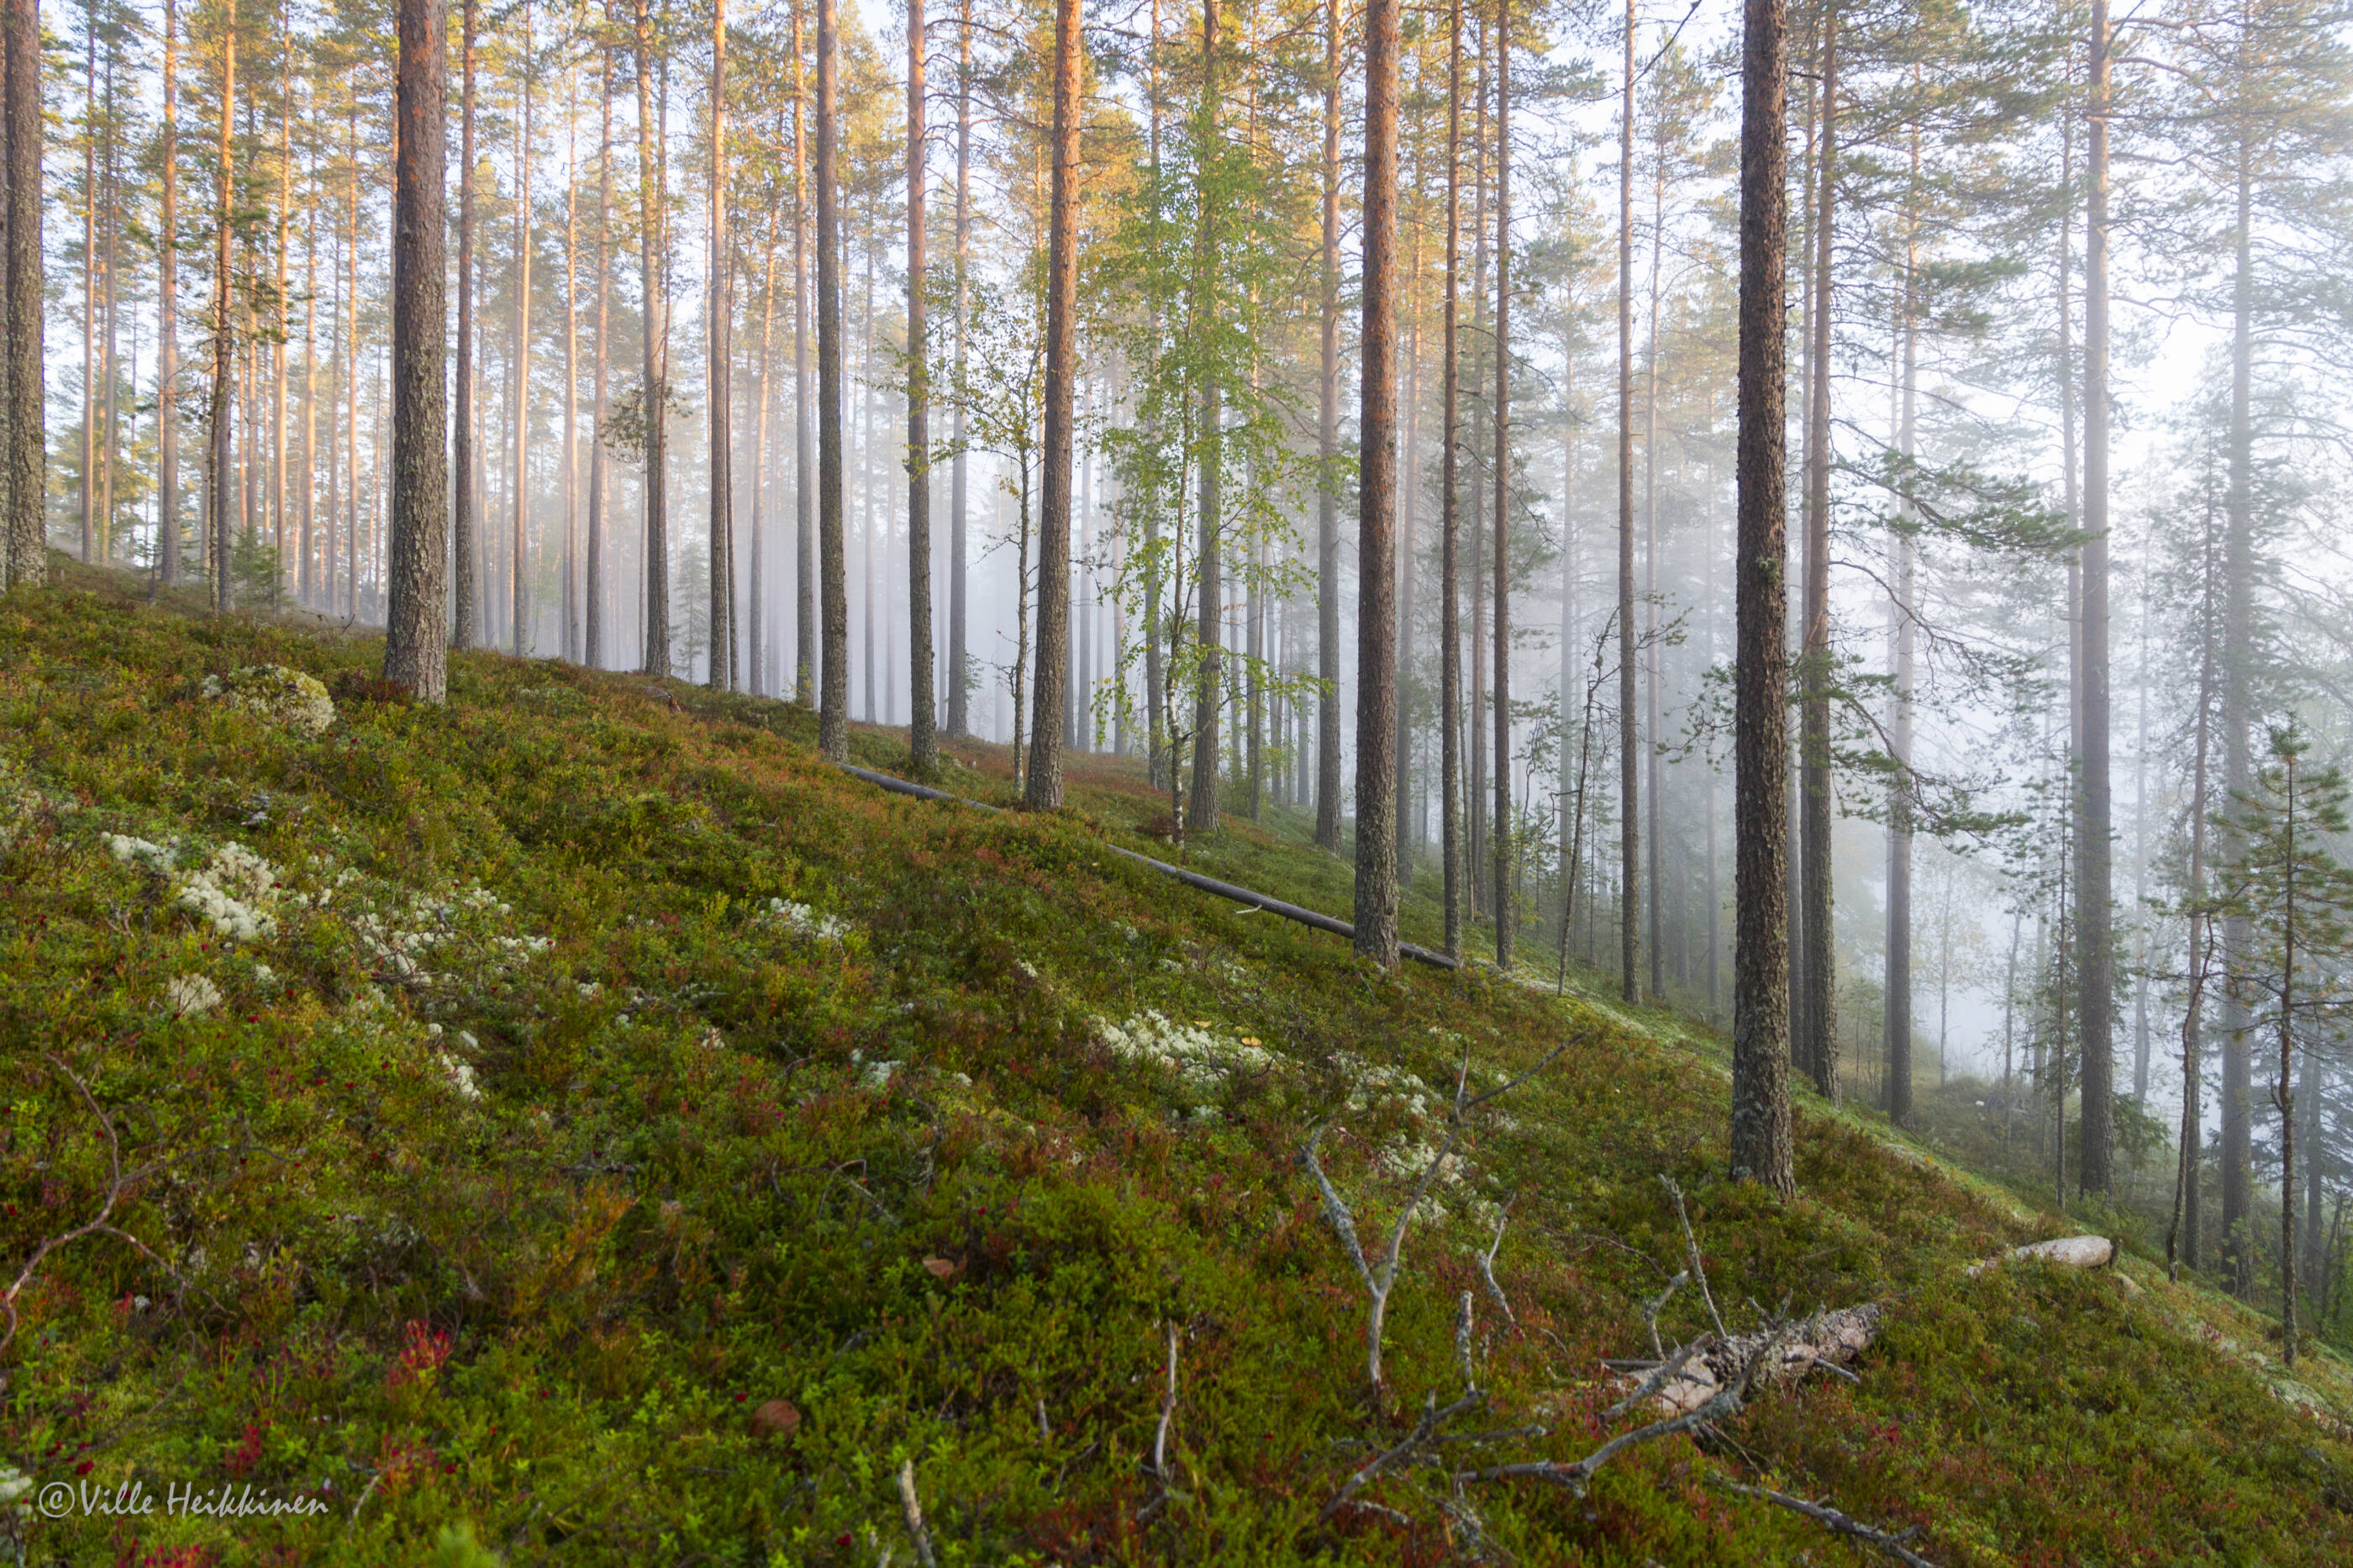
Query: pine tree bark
column 1450, row 487
column 654, row 396
column 1818, row 1049
column 1376, row 489
column 1898, row 1031
column 1044, row 788
column 1327, row 450
column 1629, row 741
column 1761, row 1142
column 805, row 477
column 2095, row 968
column 464, row 547
column 592, row 648
column 2238, row 712
column 519, row 628
column 755, row 659
column 222, row 487
column 1201, row 810
column 167, row 323
column 923, row 738
column 1501, row 874
column 833, row 708
column 959, row 658
column 24, row 462
column 416, row 623
column 719, row 338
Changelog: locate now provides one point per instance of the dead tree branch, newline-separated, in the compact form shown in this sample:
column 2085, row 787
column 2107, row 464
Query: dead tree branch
column 101, row 1224
column 915, row 1515
column 1844, row 1523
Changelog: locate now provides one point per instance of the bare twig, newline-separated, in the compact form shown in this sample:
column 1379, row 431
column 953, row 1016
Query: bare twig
column 1574, row 1475
column 915, row 1515
column 1660, row 1377
column 1691, row 1246
column 1847, row 1524
column 1651, row 1309
column 1487, row 1264
column 1167, row 1413
column 1432, row 1418
column 100, row 1224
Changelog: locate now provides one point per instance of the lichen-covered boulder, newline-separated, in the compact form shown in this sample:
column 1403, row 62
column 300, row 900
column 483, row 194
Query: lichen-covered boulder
column 286, row 698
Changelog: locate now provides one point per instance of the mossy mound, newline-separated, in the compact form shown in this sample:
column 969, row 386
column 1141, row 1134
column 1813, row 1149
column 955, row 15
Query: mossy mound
column 612, row 1072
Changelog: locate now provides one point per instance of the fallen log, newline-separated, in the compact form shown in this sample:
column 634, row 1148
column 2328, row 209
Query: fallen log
column 1703, row 1369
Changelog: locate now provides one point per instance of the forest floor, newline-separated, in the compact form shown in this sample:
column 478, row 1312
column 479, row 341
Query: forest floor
column 578, row 1125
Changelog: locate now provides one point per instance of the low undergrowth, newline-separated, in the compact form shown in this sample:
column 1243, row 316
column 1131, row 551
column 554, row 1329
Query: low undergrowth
column 579, row 1125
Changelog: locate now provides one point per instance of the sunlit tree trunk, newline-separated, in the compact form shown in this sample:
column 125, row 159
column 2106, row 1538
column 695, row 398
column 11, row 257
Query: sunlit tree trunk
column 1450, row 505
column 757, row 652
column 465, row 548
column 569, row 637
column 1327, row 447
column 519, row 629
column 592, row 650
column 959, row 657
column 719, row 329
column 24, row 463
column 416, row 623
column 805, row 477
column 1043, row 790
column 1201, row 810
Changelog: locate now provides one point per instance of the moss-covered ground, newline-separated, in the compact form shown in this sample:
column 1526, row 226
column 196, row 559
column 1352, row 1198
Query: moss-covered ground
column 618, row 1137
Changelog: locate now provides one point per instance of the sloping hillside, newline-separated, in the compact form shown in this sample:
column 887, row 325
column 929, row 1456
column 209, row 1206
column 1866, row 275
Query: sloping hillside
column 583, row 1122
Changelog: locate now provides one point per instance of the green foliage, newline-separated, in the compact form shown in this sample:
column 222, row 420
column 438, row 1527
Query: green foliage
column 636, row 1139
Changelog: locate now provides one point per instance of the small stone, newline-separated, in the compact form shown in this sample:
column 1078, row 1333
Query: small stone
column 776, row 1418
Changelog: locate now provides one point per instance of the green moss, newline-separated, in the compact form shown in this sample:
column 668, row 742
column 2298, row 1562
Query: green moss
column 723, row 1152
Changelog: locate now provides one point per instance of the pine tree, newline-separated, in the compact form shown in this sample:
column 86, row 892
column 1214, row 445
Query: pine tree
column 415, row 627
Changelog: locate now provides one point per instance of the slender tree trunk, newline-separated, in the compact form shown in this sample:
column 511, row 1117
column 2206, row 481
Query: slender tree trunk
column 1629, row 746
column 654, row 398
column 1377, row 798
column 167, row 326
column 2181, row 1239
column 1327, row 447
column 757, row 653
column 306, row 583
column 719, row 327
column 569, row 637
column 923, row 740
column 1201, row 811
column 1044, row 786
column 1450, row 487
column 1820, row 1049
column 805, row 476
column 1761, row 1140
column 416, row 623
column 1900, row 805
column 519, row 629
column 833, row 711
column 464, row 546
column 2237, row 712
column 1501, row 875
column 1655, row 903
column 222, row 486
column 23, row 466
column 83, row 482
column 2096, row 977
column 2284, row 1090
column 959, row 657
column 593, row 633
column 278, row 333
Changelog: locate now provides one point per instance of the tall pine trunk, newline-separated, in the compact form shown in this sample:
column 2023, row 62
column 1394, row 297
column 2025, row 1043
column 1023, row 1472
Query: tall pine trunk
column 1819, row 1049
column 1327, row 447
column 518, row 574
column 1377, row 798
column 833, row 709
column 1044, row 788
column 1201, row 810
column 415, row 629
column 2095, row 976
column 805, row 479
column 923, row 740
column 464, row 547
column 959, row 658
column 221, row 487
column 1761, row 1140
column 593, row 630
column 1898, row 1022
column 654, row 393
column 1450, row 504
column 1502, row 847
column 2238, row 714
column 1629, row 776
column 167, row 326
column 719, row 328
